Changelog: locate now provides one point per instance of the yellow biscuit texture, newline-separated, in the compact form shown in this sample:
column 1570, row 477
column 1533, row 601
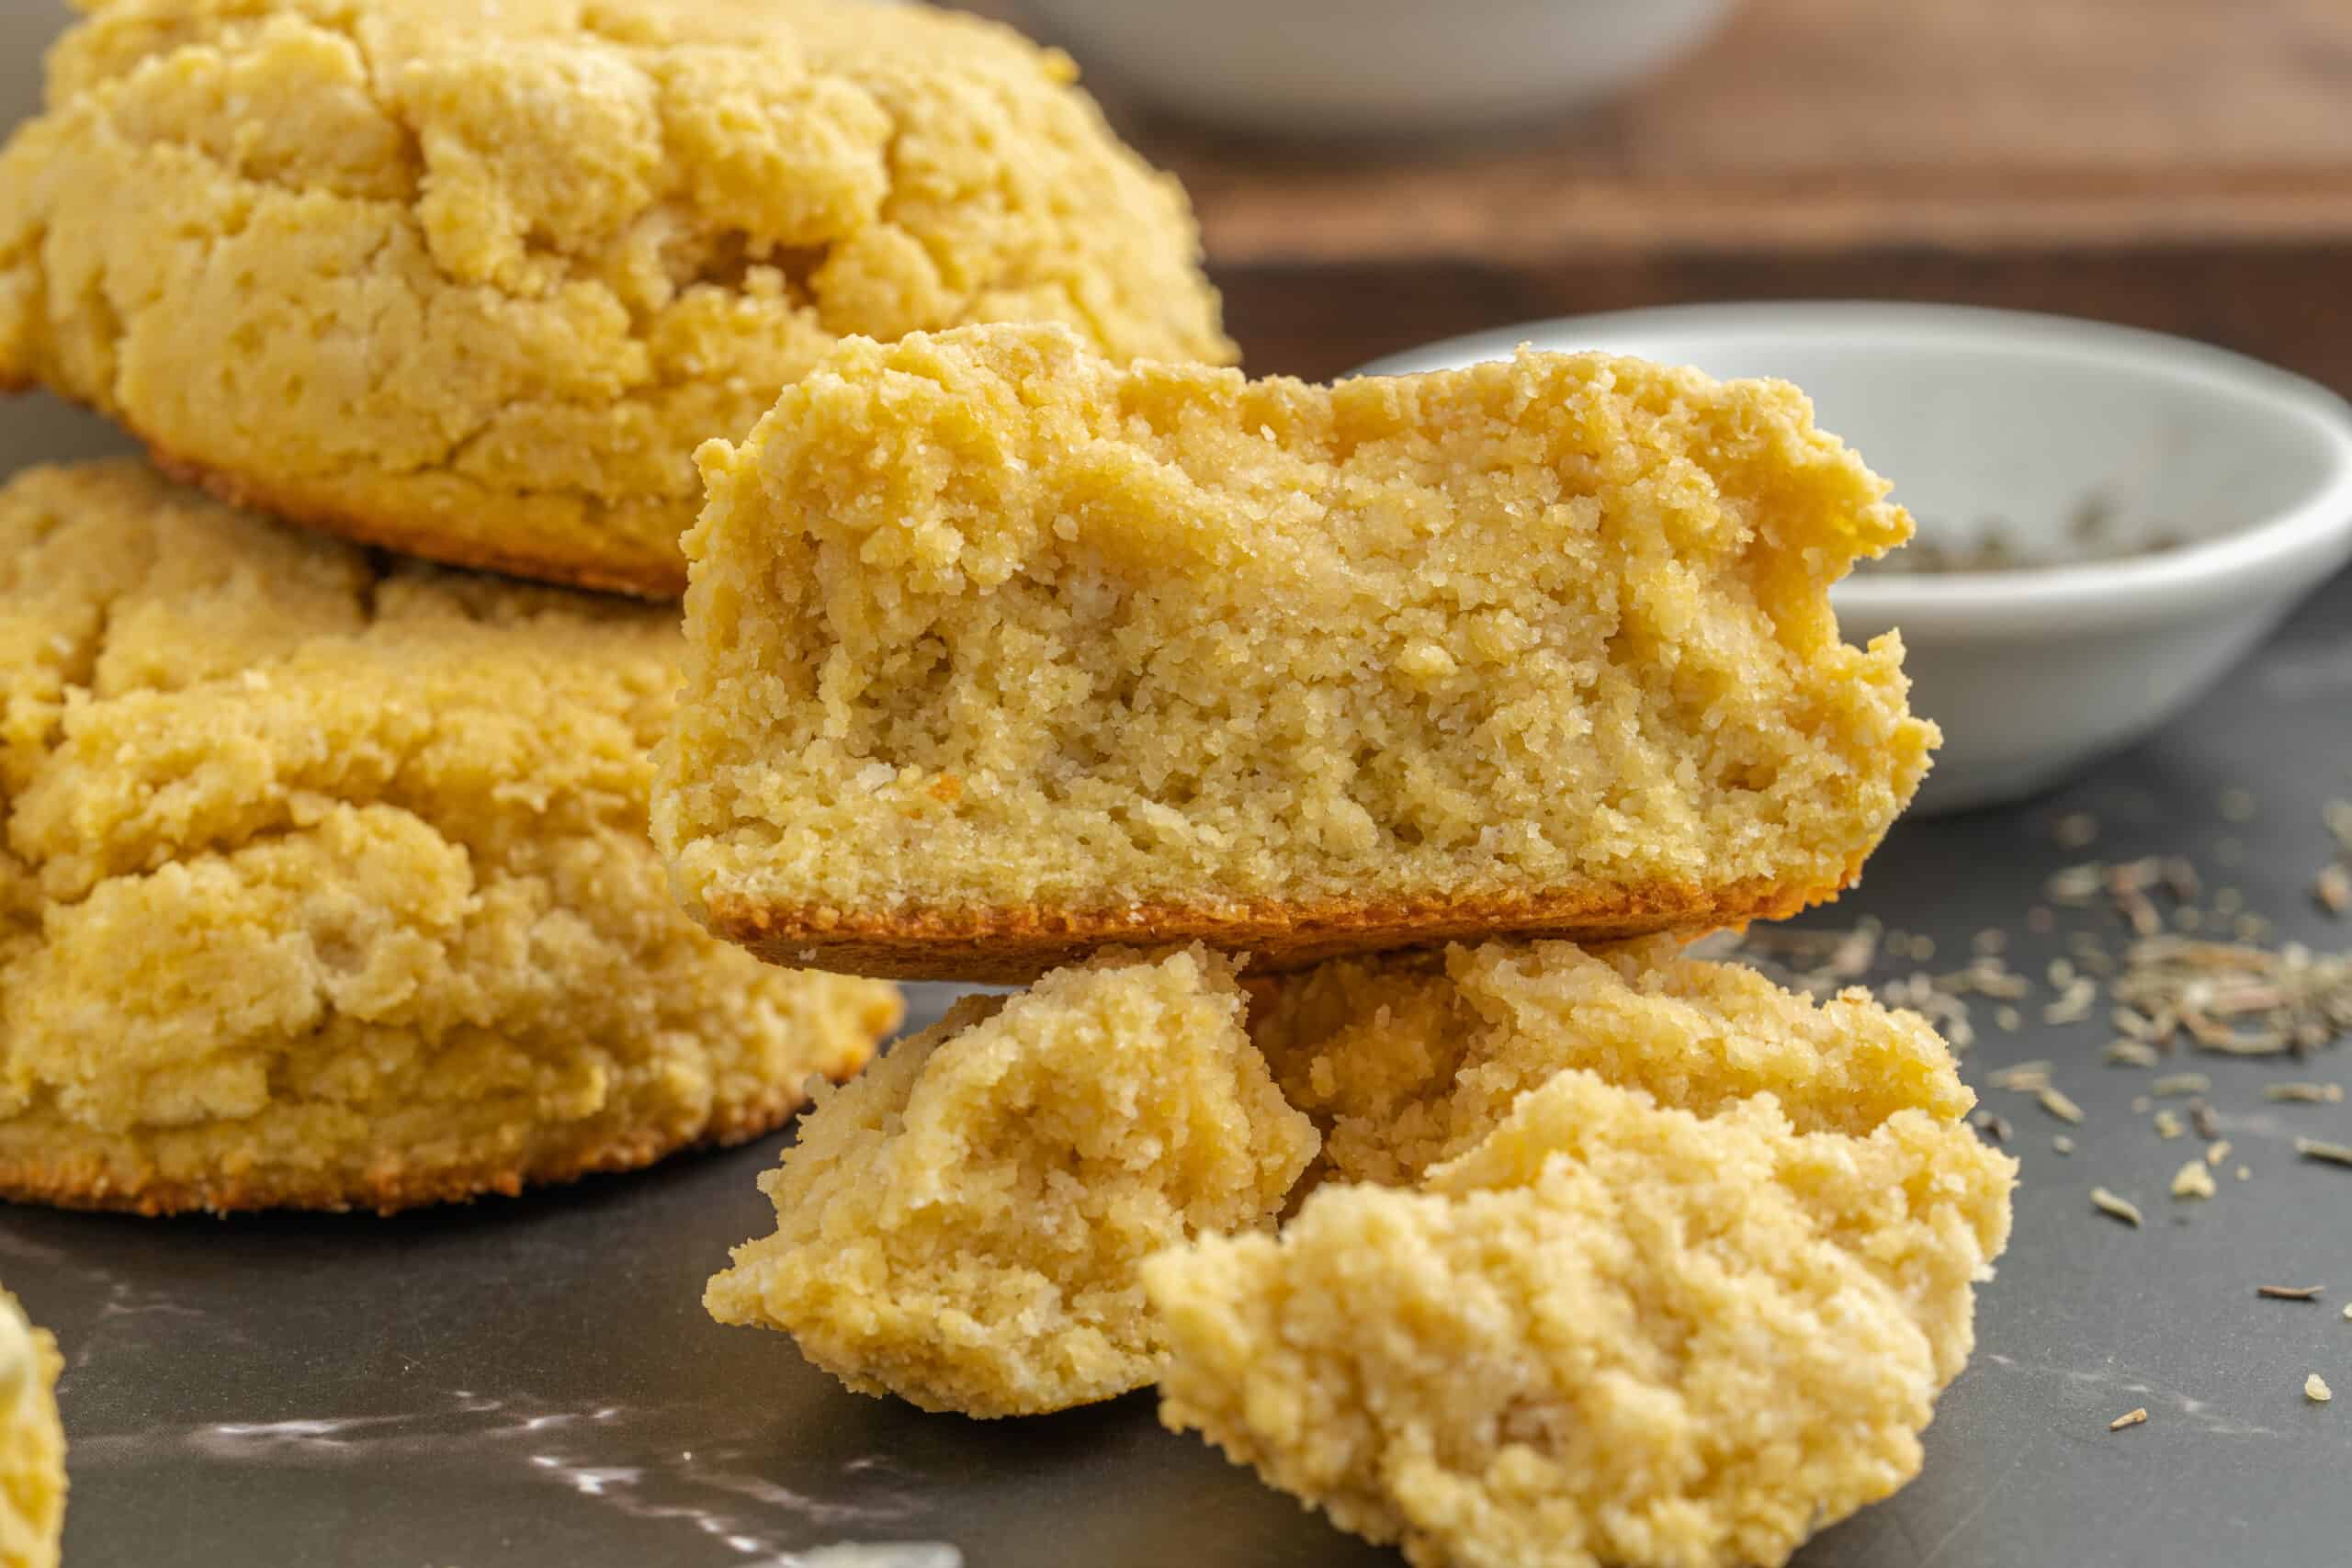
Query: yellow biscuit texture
column 473, row 281
column 990, row 635
column 326, row 880
column 1624, row 1325
column 961, row 1226
column 32, row 1442
column 1408, row 1061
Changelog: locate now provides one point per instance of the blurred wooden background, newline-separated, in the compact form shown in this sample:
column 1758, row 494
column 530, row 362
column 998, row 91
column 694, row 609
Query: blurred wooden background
column 2183, row 165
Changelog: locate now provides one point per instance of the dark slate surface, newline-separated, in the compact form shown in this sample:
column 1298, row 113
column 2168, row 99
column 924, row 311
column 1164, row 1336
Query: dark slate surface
column 534, row 1382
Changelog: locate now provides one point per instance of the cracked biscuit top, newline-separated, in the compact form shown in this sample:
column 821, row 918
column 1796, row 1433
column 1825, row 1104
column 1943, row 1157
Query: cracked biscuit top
column 473, row 281
column 325, row 880
column 999, row 653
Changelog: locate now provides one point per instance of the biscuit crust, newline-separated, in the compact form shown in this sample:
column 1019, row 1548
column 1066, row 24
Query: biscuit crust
column 603, row 561
column 472, row 283
column 47, row 1161
column 1012, row 947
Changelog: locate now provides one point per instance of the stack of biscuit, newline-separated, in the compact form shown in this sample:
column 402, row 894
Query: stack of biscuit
column 1339, row 770
column 326, row 878
column 1343, row 770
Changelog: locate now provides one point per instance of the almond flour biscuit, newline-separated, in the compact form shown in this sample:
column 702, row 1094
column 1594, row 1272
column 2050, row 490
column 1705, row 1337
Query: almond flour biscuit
column 961, row 1226
column 32, row 1443
column 473, row 281
column 999, row 653
column 1409, row 1060
column 325, row 882
column 1612, row 1332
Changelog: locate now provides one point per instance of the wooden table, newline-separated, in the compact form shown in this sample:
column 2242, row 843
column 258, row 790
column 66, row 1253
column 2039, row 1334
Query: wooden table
column 2183, row 165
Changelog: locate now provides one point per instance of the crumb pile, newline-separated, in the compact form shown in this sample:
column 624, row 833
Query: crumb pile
column 325, row 881
column 473, row 281
column 32, row 1443
column 1001, row 653
column 962, row 1226
column 1652, row 1312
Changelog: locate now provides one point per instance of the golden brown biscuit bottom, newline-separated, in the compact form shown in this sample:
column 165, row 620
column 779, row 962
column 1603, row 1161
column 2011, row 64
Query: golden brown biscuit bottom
column 49, row 1160
column 1015, row 947
column 624, row 568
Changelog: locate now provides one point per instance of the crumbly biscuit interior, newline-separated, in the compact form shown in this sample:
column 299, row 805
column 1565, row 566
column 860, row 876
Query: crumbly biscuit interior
column 981, row 621
column 961, row 1226
column 1622, row 1260
column 1408, row 1061
column 1615, row 1332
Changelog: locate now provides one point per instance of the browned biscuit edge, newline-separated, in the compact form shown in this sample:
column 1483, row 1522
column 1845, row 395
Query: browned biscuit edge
column 659, row 582
column 92, row 1181
column 643, row 580
column 1015, row 945
column 655, row 581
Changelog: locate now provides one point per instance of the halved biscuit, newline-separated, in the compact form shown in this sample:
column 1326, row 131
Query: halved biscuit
column 473, row 281
column 1001, row 653
column 1683, row 1303
column 961, row 1226
column 324, row 881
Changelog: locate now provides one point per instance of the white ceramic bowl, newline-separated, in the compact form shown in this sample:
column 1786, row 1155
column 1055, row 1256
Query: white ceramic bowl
column 1315, row 68
column 2035, row 671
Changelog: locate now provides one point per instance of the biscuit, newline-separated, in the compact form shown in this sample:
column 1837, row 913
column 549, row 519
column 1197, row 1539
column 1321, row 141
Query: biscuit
column 32, row 1443
column 1001, row 653
column 1684, row 1318
column 325, row 880
column 472, row 282
column 961, row 1226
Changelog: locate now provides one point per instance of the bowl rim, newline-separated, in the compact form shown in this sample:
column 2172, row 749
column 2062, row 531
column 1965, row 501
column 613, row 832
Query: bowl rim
column 2296, row 545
